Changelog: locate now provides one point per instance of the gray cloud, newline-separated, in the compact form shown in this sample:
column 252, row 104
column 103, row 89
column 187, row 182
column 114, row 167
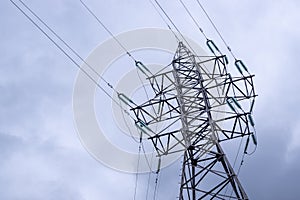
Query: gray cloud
column 41, row 155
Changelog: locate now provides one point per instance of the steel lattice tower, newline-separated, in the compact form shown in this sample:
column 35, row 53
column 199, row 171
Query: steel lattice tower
column 194, row 99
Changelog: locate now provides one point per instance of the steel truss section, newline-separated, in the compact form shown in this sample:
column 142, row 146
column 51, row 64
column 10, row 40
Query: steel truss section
column 200, row 106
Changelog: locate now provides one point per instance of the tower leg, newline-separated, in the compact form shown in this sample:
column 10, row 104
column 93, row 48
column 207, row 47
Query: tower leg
column 209, row 177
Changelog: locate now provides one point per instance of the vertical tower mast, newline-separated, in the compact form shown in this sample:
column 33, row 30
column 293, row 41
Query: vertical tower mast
column 201, row 162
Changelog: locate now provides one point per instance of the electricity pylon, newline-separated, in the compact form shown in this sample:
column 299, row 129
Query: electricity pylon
column 201, row 106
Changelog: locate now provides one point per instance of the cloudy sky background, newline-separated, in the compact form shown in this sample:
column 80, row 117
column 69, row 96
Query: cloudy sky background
column 41, row 155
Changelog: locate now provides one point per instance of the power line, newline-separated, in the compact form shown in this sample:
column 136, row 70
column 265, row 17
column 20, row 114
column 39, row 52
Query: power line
column 65, row 43
column 62, row 50
column 149, row 177
column 156, row 186
column 211, row 45
column 194, row 20
column 174, row 25
column 164, row 20
column 183, row 38
column 216, row 29
column 126, row 124
column 141, row 146
column 138, row 64
column 84, row 71
column 107, row 30
column 137, row 168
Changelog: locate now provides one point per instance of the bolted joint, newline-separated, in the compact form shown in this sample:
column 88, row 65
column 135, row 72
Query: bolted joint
column 194, row 162
column 219, row 157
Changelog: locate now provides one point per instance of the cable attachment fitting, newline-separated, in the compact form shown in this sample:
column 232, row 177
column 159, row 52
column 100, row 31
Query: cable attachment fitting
column 143, row 127
column 143, row 68
column 158, row 165
column 126, row 100
column 212, row 46
column 240, row 65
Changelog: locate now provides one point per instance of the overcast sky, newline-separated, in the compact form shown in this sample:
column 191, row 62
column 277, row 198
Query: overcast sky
column 41, row 155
